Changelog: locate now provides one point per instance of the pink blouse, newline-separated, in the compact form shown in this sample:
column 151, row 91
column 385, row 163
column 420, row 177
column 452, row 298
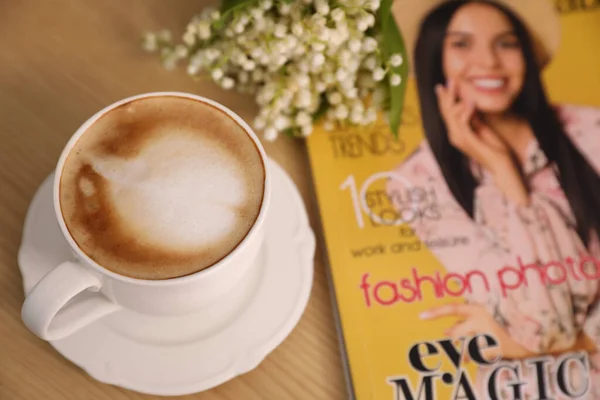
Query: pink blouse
column 542, row 315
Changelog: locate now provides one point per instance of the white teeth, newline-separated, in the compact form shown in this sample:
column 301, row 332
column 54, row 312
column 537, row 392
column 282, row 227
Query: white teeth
column 489, row 83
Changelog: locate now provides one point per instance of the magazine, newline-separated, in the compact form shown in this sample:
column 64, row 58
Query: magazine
column 464, row 255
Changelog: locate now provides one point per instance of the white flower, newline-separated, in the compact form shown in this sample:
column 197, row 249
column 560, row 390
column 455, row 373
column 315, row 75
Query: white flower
column 371, row 63
column 329, row 78
column 303, row 99
column 370, row 115
column 356, row 117
column 338, row 15
column 289, row 58
column 216, row 74
column 369, row 44
column 357, row 106
column 306, row 130
column 335, row 39
column 297, row 29
column 318, row 60
column 300, row 51
column 212, row 54
column 259, row 123
column 322, row 7
column 180, row 51
column 189, row 38
column 149, row 42
column 354, row 45
column 244, row 19
column 280, row 60
column 341, row 112
column 266, row 94
column 352, row 93
column 266, row 4
column 378, row 97
column 203, row 28
column 239, row 28
column 396, row 60
column 303, row 118
column 319, row 21
column 318, row 46
column 290, row 42
column 170, row 61
column 395, row 80
column 206, row 12
column 335, row 98
column 280, row 31
column 257, row 75
column 303, row 80
column 227, row 83
column 341, row 74
column 164, row 35
column 378, row 74
column 193, row 69
column 347, row 84
column 344, row 57
column 256, row 52
column 238, row 57
column 270, row 134
column 362, row 24
column 374, row 4
column 303, row 66
column 353, row 65
column 249, row 65
column 257, row 14
column 265, row 59
column 198, row 59
column 284, row 8
column 281, row 123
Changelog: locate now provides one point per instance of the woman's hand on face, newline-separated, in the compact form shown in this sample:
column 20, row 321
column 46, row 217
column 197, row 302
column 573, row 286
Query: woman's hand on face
column 475, row 139
column 475, row 320
column 469, row 134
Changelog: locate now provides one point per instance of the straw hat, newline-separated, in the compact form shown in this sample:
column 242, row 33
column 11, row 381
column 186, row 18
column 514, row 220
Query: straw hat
column 539, row 16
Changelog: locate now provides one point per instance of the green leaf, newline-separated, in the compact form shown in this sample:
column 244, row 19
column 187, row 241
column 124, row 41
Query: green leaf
column 323, row 107
column 228, row 7
column 393, row 43
column 291, row 132
column 384, row 12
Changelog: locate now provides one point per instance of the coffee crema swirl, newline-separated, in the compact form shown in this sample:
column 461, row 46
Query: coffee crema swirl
column 161, row 187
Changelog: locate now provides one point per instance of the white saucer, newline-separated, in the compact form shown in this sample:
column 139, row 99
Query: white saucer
column 176, row 356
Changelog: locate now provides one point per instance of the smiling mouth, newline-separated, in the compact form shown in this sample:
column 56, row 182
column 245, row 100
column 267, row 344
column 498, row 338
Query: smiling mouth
column 489, row 83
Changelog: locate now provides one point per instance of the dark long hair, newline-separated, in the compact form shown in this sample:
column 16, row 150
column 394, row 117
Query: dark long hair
column 577, row 178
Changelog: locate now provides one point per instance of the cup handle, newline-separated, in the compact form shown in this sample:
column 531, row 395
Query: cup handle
column 46, row 312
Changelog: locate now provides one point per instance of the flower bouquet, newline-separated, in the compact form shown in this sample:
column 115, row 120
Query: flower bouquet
column 306, row 61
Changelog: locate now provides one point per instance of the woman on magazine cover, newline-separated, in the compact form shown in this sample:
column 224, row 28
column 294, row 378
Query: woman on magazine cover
column 517, row 176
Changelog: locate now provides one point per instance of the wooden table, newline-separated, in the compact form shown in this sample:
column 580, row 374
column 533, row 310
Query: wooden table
column 61, row 61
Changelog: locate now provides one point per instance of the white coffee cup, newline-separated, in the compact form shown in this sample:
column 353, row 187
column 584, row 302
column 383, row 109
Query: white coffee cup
column 53, row 310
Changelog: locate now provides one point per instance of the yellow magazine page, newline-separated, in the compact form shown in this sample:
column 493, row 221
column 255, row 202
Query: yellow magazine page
column 436, row 302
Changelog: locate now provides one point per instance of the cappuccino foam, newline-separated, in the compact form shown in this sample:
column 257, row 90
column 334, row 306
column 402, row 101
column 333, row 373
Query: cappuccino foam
column 161, row 187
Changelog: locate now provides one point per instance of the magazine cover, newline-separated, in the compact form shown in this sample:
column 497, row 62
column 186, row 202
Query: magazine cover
column 464, row 255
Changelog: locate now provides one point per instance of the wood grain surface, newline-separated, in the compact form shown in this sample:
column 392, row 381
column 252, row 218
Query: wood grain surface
column 60, row 62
